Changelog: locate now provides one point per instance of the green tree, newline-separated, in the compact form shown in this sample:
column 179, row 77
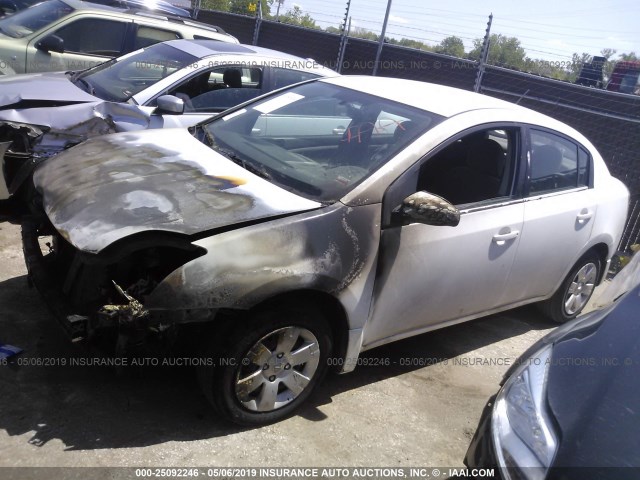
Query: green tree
column 295, row 16
column 453, row 46
column 359, row 32
column 410, row 43
column 629, row 57
column 219, row 5
column 243, row 7
column 503, row 51
column 577, row 60
column 607, row 68
column 239, row 6
column 546, row 68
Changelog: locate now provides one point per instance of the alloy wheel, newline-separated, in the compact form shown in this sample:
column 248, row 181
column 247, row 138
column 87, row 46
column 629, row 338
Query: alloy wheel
column 581, row 288
column 277, row 369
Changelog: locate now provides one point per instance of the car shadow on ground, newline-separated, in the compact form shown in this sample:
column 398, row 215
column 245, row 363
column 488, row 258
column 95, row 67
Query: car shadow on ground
column 90, row 407
column 431, row 350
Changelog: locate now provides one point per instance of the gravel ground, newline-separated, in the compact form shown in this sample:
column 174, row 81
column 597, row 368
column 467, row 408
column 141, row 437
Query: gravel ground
column 422, row 414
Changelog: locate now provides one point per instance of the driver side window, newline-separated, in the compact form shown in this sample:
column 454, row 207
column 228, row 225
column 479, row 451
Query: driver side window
column 93, row 36
column 220, row 88
column 475, row 168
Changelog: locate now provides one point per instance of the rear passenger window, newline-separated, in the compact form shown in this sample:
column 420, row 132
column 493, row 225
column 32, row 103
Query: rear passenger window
column 554, row 163
column 146, row 36
column 93, row 36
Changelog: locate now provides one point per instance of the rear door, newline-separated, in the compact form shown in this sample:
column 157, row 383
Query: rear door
column 559, row 214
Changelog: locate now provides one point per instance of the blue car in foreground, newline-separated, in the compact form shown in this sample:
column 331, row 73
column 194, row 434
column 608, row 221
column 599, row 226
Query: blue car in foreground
column 570, row 407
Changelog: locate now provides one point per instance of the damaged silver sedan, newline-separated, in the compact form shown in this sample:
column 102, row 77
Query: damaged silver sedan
column 172, row 84
column 317, row 222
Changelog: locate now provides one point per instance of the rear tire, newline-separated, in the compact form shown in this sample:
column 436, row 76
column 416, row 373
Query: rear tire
column 575, row 291
column 268, row 366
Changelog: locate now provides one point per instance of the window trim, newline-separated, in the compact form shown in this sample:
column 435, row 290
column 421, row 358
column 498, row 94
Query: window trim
column 393, row 195
column 79, row 18
column 133, row 35
column 152, row 102
column 527, row 187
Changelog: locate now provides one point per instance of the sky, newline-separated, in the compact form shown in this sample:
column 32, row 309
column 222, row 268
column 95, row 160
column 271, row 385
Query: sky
column 547, row 29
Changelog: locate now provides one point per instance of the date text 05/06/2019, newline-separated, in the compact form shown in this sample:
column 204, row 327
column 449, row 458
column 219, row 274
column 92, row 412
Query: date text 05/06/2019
column 313, row 472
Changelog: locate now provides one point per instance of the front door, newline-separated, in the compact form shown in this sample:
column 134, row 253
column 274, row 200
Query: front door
column 87, row 42
column 431, row 275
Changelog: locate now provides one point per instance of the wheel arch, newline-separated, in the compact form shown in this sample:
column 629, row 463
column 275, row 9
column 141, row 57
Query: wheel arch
column 236, row 340
column 329, row 306
column 602, row 251
column 555, row 307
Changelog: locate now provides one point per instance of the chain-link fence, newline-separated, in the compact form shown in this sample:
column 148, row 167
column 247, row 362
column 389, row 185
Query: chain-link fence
column 610, row 120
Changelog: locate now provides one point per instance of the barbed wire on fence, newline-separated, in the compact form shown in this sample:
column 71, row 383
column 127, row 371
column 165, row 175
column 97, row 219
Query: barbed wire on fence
column 611, row 121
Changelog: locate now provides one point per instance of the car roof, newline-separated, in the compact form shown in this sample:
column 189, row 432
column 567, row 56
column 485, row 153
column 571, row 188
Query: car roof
column 450, row 101
column 206, row 48
column 143, row 13
column 445, row 101
column 80, row 5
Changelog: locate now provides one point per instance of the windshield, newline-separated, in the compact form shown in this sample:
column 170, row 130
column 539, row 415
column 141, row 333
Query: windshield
column 317, row 140
column 120, row 79
column 34, row 18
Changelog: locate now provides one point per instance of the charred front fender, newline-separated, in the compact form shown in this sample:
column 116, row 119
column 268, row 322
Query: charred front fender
column 89, row 292
column 331, row 250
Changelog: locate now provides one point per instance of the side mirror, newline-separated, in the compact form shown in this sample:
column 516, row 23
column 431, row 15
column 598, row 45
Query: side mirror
column 170, row 104
column 51, row 43
column 430, row 209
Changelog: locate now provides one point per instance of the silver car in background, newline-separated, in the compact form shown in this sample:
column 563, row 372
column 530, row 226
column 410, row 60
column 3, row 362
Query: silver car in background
column 317, row 222
column 9, row 7
column 171, row 84
column 61, row 35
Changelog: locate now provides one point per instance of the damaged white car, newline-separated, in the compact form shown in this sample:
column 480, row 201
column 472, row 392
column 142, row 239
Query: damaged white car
column 317, row 222
column 171, row 84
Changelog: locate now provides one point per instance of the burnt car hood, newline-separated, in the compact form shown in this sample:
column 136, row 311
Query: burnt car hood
column 40, row 89
column 114, row 186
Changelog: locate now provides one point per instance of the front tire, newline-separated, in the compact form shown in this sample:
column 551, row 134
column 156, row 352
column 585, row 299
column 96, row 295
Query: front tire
column 269, row 367
column 575, row 291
